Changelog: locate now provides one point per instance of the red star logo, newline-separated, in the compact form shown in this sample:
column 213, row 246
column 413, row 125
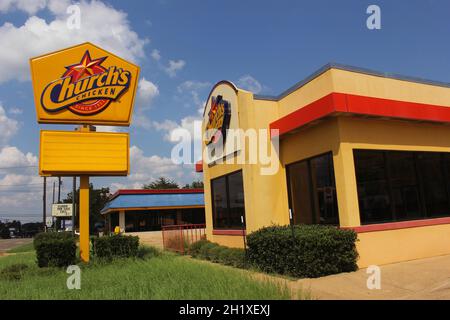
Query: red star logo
column 86, row 68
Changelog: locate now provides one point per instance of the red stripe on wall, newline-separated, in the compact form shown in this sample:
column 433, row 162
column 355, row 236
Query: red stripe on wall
column 360, row 105
column 400, row 225
column 219, row 232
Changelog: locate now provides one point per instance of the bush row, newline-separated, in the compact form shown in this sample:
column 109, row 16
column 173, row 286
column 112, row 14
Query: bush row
column 116, row 246
column 303, row 250
column 55, row 249
column 207, row 250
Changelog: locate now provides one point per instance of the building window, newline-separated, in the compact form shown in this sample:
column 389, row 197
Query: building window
column 228, row 201
column 402, row 185
column 312, row 191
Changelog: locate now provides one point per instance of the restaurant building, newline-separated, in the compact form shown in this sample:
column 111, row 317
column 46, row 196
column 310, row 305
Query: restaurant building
column 357, row 149
column 148, row 210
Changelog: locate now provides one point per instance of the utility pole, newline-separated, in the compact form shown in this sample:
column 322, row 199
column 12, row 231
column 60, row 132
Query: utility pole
column 59, row 189
column 74, row 191
column 59, row 201
column 44, row 204
column 53, row 202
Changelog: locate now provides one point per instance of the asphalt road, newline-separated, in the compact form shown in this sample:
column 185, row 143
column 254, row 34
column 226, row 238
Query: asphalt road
column 7, row 244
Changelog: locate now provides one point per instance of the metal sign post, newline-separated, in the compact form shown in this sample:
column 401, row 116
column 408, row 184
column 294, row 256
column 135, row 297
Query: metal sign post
column 84, row 218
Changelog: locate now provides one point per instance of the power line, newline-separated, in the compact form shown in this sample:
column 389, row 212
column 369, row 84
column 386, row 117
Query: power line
column 20, row 185
column 18, row 167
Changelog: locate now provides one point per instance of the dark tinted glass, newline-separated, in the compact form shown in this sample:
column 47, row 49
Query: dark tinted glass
column 228, row 201
column 312, row 191
column 220, row 207
column 402, row 185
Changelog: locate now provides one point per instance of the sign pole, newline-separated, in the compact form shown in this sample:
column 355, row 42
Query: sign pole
column 74, row 191
column 44, row 205
column 84, row 218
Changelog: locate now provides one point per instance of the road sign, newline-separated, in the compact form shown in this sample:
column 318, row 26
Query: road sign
column 62, row 210
column 49, row 222
column 72, row 153
column 84, row 84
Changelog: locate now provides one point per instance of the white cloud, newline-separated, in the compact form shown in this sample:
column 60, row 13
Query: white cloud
column 100, row 24
column 174, row 67
column 20, row 186
column 156, row 55
column 144, row 169
column 13, row 157
column 249, row 83
column 15, row 111
column 108, row 129
column 191, row 86
column 8, row 127
column 147, row 91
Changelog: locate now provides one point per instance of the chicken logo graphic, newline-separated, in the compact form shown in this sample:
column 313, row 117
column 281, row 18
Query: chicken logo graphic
column 218, row 120
column 86, row 88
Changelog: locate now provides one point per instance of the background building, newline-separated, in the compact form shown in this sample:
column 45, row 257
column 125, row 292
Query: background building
column 148, row 210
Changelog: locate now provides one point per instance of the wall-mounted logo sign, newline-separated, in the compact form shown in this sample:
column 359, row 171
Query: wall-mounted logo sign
column 84, row 84
column 219, row 116
column 221, row 123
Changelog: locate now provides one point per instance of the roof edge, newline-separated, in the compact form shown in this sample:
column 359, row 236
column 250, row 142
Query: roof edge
column 339, row 66
column 153, row 191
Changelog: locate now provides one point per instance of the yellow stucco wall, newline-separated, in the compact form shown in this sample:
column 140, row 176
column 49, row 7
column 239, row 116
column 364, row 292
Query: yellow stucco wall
column 266, row 197
column 384, row 247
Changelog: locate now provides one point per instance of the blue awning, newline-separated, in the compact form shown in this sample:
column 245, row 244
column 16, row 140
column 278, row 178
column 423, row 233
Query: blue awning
column 153, row 201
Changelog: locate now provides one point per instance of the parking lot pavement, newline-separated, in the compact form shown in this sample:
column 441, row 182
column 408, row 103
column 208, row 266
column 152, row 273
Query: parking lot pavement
column 7, row 244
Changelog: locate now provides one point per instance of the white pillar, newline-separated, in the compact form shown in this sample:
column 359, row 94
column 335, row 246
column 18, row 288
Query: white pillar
column 122, row 221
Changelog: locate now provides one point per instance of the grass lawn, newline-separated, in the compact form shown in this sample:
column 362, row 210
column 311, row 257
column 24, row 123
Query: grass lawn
column 167, row 276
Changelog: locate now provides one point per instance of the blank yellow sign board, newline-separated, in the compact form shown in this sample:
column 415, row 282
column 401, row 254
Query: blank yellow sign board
column 72, row 153
column 84, row 84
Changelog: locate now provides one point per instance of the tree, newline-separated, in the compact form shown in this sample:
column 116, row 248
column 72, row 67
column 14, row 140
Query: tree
column 194, row 185
column 97, row 201
column 162, row 183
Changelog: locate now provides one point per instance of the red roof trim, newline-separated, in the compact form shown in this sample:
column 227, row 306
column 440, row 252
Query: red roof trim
column 335, row 103
column 155, row 191
column 199, row 166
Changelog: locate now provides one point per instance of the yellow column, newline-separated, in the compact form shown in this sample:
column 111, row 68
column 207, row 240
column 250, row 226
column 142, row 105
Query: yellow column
column 84, row 218
column 122, row 220
column 347, row 191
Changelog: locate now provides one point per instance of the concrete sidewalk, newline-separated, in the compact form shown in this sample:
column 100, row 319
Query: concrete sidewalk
column 418, row 279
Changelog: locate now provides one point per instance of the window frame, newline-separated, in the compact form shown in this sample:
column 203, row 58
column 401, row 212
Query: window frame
column 227, row 190
column 422, row 205
column 311, row 187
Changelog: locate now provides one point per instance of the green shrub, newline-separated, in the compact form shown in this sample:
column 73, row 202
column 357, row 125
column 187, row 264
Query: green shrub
column 216, row 254
column 55, row 249
column 13, row 272
column 303, row 251
column 147, row 252
column 234, row 257
column 116, row 246
column 207, row 250
column 194, row 248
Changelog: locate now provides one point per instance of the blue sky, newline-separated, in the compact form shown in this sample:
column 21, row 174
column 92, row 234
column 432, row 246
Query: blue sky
column 183, row 48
